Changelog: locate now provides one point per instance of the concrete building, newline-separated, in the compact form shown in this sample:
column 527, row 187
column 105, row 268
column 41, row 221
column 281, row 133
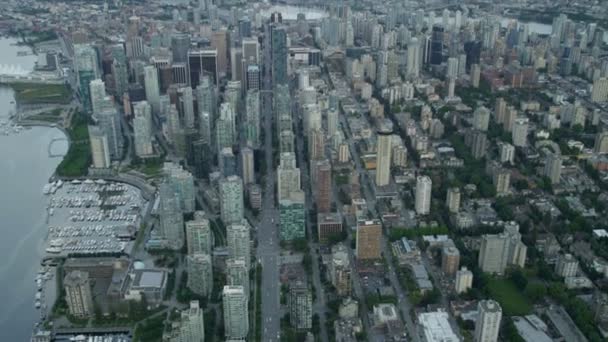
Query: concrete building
column 109, row 122
column 238, row 238
column 322, row 186
column 599, row 92
column 97, row 89
column 100, row 152
column 453, row 200
column 300, row 306
column 500, row 250
column 288, row 175
column 182, row 183
column 78, row 294
column 292, row 216
column 487, row 325
column 369, row 239
column 383, row 157
column 200, row 274
column 236, row 314
column 340, row 270
column 171, row 218
column 152, row 87
column 436, row 327
column 566, row 266
column 601, row 143
column 237, row 273
column 423, row 195
column 199, row 237
column 328, row 226
column 506, row 152
column 519, row 134
column 142, row 129
column 190, row 327
column 231, row 200
column 252, row 119
column 247, row 165
column 464, row 280
column 481, row 118
column 450, row 259
column 553, row 167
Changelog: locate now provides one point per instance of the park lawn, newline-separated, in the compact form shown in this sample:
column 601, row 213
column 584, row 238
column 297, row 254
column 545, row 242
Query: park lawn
column 29, row 93
column 512, row 301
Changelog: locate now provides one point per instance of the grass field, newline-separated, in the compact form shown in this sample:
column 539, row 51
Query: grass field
column 27, row 93
column 76, row 162
column 512, row 301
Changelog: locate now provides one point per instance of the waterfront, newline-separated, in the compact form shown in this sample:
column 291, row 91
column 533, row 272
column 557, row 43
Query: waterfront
column 25, row 167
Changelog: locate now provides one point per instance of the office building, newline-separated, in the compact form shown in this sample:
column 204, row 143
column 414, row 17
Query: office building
column 450, row 259
column 231, row 200
column 519, row 134
column 237, row 273
column 152, row 87
column 142, row 129
column 77, row 287
column 489, row 314
column 300, row 306
column 97, row 88
column 436, row 53
column 340, row 270
column 171, row 218
column 219, row 41
column 252, row 119
column 200, row 274
column 369, row 240
column 383, row 157
column 247, row 165
column 109, row 122
column 566, row 266
column 279, row 54
column 199, row 237
column 423, row 195
column 180, row 44
column 292, row 216
column 190, row 327
column 203, row 62
column 328, row 225
column 86, row 66
column 227, row 162
column 100, row 151
column 453, row 200
column 238, row 238
column 185, row 106
column 236, row 312
column 322, row 186
column 464, row 280
column 183, row 184
column 452, row 68
column 288, row 175
column 253, row 77
column 481, row 118
column 225, row 127
column 413, row 58
column 553, row 167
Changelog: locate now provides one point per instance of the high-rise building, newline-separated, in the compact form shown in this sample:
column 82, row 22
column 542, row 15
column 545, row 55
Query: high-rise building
column 152, row 87
column 247, row 165
column 97, row 89
column 109, row 123
column 340, row 270
column 423, row 195
column 183, row 184
column 200, row 274
column 322, row 186
column 203, row 62
column 288, row 175
column 436, row 55
column 328, row 225
column 238, row 238
column 498, row 251
column 450, row 259
column 219, row 41
column 227, row 162
column 452, row 68
column 369, row 239
column 383, row 157
column 231, row 200
column 481, row 118
column 78, row 295
column 252, row 119
column 488, row 321
column 553, row 167
column 253, row 77
column 199, row 237
column 279, row 55
column 237, row 273
column 100, row 151
column 601, row 142
column 509, row 118
column 475, row 75
column 506, row 152
column 292, row 216
column 500, row 110
column 142, row 129
column 599, row 92
column 87, row 69
column 180, row 44
column 479, row 144
column 190, row 327
column 501, row 177
column 453, row 200
column 464, row 280
column 185, row 106
column 566, row 266
column 206, row 103
column 300, row 306
column 171, row 218
column 236, row 314
column 225, row 129
column 519, row 134
column 413, row 58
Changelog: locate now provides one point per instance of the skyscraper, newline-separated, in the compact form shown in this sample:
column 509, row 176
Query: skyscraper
column 142, row 129
column 203, row 62
column 292, row 215
column 519, row 134
column 247, row 165
column 152, row 87
column 279, row 55
column 322, row 186
column 369, row 239
column 87, row 69
column 481, row 118
column 488, row 321
column 500, row 250
column 78, row 294
column 383, row 157
column 199, row 237
column 100, row 152
column 227, row 162
column 171, row 218
column 252, row 120
column 200, row 274
column 237, row 273
column 190, row 327
column 98, row 95
column 109, row 123
column 225, row 130
column 413, row 58
column 183, row 184
column 253, row 77
column 288, row 175
column 231, row 200
column 180, row 43
column 236, row 314
column 300, row 306
column 423, row 195
column 437, row 45
column 553, row 167
column 186, row 106
column 238, row 238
